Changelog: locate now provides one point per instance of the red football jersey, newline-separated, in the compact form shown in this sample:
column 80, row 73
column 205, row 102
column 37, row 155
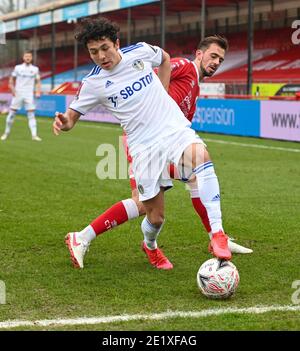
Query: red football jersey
column 184, row 85
column 183, row 88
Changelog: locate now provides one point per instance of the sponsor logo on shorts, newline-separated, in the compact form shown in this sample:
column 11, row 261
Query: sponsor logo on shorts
column 216, row 198
column 140, row 189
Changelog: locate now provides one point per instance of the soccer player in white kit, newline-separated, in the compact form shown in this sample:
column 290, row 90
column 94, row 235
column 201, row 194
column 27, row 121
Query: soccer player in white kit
column 23, row 81
column 184, row 89
column 157, row 130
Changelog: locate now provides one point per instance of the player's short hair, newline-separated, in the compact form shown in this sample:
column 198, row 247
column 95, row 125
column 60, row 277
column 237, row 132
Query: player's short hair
column 213, row 39
column 96, row 29
column 27, row 52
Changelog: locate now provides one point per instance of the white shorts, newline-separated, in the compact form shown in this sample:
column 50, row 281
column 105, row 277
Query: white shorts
column 150, row 167
column 19, row 100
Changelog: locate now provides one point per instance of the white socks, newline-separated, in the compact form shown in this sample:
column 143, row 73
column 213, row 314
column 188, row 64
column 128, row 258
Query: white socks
column 87, row 234
column 150, row 233
column 193, row 189
column 9, row 121
column 209, row 193
column 32, row 123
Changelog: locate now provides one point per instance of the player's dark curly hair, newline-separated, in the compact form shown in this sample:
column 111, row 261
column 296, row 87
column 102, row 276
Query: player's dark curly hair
column 96, row 29
column 213, row 39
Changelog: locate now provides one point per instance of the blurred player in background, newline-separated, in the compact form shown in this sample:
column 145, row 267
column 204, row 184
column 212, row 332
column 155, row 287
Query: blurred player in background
column 184, row 89
column 25, row 84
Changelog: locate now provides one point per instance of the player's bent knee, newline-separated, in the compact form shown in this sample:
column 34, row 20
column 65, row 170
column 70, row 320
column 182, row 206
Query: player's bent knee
column 206, row 156
column 200, row 155
column 156, row 219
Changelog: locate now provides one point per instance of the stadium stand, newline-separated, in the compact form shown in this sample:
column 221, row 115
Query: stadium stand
column 275, row 58
column 283, row 66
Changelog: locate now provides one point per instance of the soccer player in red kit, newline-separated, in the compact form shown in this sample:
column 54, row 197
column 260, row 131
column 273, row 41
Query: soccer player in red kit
column 184, row 89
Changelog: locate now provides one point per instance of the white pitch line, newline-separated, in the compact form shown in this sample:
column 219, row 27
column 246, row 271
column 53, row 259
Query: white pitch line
column 117, row 127
column 257, row 146
column 157, row 316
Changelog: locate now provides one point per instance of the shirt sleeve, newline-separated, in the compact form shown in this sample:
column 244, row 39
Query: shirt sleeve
column 179, row 67
column 86, row 98
column 153, row 54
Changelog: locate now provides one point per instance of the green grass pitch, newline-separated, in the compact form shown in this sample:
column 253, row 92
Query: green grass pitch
column 49, row 188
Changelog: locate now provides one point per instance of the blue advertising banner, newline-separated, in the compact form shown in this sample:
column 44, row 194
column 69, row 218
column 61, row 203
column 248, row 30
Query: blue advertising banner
column 109, row 5
column 129, row 3
column 76, row 11
column 236, row 117
column 47, row 105
column 29, row 22
column 69, row 76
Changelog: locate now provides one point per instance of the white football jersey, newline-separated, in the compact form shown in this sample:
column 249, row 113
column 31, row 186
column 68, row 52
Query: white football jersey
column 25, row 78
column 133, row 93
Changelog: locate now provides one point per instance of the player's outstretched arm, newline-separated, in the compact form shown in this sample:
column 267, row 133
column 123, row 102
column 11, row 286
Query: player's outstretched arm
column 164, row 70
column 65, row 121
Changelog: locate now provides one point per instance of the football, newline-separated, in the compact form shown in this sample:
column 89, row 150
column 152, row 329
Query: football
column 218, row 279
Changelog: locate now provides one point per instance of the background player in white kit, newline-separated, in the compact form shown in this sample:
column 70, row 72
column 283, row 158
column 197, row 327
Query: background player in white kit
column 158, row 132
column 25, row 84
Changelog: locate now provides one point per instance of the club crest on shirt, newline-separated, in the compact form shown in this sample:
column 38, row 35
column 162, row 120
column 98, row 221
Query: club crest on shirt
column 138, row 65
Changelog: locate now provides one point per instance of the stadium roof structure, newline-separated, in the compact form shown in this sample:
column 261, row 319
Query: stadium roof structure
column 65, row 10
column 61, row 16
column 177, row 5
column 52, row 5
